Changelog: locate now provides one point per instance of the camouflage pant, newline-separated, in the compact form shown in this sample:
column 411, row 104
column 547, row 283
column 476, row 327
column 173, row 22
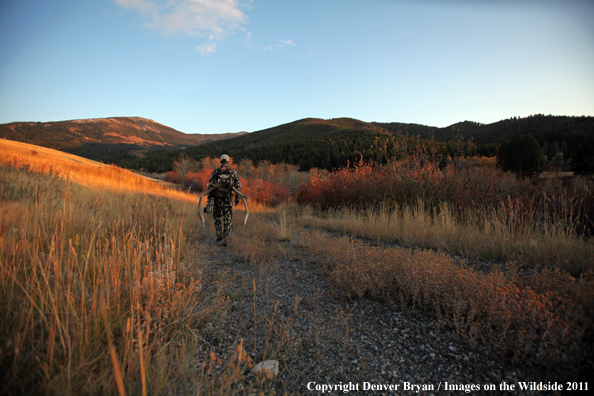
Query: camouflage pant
column 223, row 216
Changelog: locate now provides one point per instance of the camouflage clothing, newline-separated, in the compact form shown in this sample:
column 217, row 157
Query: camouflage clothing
column 223, row 205
column 223, row 216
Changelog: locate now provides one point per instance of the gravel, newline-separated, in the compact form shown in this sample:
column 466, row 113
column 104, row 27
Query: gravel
column 322, row 340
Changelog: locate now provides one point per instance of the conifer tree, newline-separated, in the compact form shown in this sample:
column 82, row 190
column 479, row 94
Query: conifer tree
column 583, row 162
column 521, row 155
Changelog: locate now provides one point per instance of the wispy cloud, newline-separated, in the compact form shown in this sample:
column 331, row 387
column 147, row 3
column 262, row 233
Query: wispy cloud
column 204, row 18
column 286, row 42
column 207, row 49
column 279, row 44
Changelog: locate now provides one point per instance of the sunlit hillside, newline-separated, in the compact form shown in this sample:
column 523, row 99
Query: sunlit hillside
column 81, row 170
column 110, row 140
column 115, row 130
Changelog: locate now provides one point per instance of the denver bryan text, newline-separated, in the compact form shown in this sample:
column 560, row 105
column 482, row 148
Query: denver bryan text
column 365, row 386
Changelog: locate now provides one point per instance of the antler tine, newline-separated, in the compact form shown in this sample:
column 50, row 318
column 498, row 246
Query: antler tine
column 245, row 200
column 200, row 196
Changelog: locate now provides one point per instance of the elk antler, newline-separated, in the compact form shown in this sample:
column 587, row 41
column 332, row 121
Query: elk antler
column 245, row 200
column 200, row 196
column 243, row 197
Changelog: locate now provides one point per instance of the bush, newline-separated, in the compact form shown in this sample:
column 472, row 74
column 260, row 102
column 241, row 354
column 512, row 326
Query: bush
column 265, row 192
column 405, row 182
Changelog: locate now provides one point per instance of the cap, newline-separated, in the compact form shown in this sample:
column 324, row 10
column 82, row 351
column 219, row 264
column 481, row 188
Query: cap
column 224, row 158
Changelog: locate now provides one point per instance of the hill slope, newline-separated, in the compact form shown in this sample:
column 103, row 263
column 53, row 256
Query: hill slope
column 106, row 139
column 313, row 142
column 138, row 143
column 570, row 132
column 308, row 143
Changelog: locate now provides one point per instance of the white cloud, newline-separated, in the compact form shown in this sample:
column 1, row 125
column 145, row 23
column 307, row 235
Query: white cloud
column 286, row 42
column 279, row 44
column 207, row 49
column 211, row 18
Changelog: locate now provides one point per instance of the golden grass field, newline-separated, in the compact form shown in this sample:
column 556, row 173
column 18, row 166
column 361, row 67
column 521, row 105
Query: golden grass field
column 97, row 297
column 81, row 170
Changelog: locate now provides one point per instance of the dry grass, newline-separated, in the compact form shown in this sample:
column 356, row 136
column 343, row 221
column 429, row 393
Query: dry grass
column 102, row 292
column 255, row 242
column 81, row 170
column 467, row 208
column 489, row 235
column 540, row 319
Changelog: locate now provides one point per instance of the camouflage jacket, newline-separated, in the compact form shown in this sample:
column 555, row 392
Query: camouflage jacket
column 214, row 179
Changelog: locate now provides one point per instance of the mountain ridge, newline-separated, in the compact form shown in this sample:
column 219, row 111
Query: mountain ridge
column 331, row 143
column 308, row 142
column 109, row 130
column 111, row 139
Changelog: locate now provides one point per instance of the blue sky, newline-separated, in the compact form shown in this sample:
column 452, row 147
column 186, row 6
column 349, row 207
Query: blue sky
column 213, row 66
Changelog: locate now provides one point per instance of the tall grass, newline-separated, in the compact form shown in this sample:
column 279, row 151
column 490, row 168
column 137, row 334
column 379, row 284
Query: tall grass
column 477, row 211
column 100, row 291
column 489, row 235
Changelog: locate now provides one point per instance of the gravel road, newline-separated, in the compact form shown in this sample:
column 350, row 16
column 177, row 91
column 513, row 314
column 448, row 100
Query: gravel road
column 325, row 344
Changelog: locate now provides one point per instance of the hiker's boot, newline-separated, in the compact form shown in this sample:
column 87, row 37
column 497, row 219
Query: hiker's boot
column 219, row 238
column 225, row 241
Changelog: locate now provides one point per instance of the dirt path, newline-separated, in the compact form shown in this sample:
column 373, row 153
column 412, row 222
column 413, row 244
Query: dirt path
column 320, row 339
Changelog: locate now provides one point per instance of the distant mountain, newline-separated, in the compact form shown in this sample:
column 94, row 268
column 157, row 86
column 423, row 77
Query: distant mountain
column 138, row 143
column 313, row 142
column 106, row 139
column 309, row 143
column 544, row 128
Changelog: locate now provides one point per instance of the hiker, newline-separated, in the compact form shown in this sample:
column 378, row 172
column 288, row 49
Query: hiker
column 220, row 200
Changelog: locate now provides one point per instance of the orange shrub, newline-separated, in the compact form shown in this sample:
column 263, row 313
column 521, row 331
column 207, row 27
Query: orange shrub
column 198, row 180
column 265, row 192
column 173, row 177
column 416, row 177
column 258, row 190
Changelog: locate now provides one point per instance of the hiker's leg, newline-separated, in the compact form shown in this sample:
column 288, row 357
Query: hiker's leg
column 218, row 227
column 228, row 218
column 218, row 214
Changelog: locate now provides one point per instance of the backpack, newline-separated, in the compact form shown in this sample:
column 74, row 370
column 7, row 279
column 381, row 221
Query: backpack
column 225, row 181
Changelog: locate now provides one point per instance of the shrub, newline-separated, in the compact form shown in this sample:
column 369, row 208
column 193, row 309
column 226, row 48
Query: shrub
column 265, row 192
column 405, row 182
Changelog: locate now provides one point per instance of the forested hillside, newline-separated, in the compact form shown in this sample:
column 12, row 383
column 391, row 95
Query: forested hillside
column 316, row 143
column 308, row 143
column 555, row 134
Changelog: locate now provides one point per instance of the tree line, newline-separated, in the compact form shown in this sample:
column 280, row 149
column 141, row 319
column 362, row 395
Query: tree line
column 327, row 152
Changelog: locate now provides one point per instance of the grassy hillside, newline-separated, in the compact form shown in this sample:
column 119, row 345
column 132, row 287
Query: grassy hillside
column 92, row 265
column 110, row 140
column 80, row 170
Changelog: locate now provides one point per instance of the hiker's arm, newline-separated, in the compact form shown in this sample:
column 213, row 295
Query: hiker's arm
column 211, row 179
column 237, row 186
